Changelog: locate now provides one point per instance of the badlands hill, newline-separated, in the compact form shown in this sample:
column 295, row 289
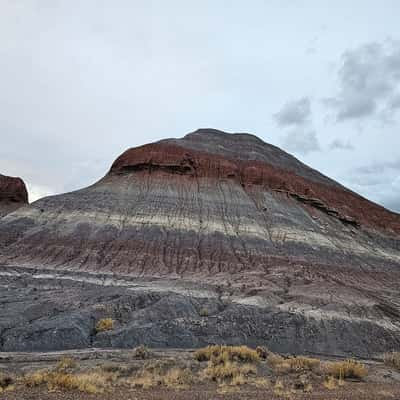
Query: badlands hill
column 211, row 238
column 13, row 194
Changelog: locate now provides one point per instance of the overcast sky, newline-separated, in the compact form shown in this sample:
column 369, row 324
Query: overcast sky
column 81, row 81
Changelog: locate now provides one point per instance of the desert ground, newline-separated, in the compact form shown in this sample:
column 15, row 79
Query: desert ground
column 216, row 372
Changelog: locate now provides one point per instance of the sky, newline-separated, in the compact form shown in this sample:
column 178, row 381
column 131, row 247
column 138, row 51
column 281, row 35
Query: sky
column 82, row 81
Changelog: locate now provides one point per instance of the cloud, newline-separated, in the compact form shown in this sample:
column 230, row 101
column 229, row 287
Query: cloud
column 368, row 78
column 395, row 102
column 379, row 181
column 301, row 141
column 379, row 167
column 295, row 112
column 297, row 115
column 392, row 200
column 338, row 144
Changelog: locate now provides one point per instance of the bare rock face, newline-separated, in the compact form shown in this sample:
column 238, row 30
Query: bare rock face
column 290, row 258
column 13, row 194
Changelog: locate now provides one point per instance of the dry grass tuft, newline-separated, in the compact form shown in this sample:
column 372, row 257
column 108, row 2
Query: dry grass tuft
column 222, row 354
column 36, row 378
column 229, row 371
column 281, row 392
column 302, row 383
column 105, row 324
column 304, row 363
column 145, row 380
column 90, row 382
column 176, row 378
column 349, row 369
column 392, row 359
column 275, row 359
column 330, row 383
column 279, row 387
column 228, row 365
column 262, row 383
column 283, row 366
column 66, row 363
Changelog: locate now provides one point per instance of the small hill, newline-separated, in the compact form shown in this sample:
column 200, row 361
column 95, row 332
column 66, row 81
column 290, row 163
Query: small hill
column 13, row 194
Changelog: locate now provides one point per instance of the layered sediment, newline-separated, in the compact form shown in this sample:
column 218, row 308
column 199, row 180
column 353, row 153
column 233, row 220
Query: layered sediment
column 260, row 228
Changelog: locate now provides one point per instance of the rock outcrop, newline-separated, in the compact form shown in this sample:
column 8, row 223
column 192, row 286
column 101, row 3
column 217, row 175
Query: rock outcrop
column 13, row 194
column 290, row 257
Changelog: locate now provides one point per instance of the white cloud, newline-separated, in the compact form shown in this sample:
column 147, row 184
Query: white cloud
column 295, row 112
column 338, row 144
column 380, row 181
column 301, row 141
column 368, row 78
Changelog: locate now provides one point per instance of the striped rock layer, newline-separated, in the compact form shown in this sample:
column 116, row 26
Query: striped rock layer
column 229, row 210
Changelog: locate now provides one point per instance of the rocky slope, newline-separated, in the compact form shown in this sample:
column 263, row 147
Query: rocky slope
column 13, row 194
column 290, row 258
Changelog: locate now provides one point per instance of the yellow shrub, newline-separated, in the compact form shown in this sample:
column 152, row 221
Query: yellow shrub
column 105, row 324
column 228, row 364
column 347, row 369
column 392, row 359
column 86, row 382
column 36, row 378
column 223, row 354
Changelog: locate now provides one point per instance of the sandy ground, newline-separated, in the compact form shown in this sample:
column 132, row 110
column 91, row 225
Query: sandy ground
column 361, row 391
column 382, row 382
